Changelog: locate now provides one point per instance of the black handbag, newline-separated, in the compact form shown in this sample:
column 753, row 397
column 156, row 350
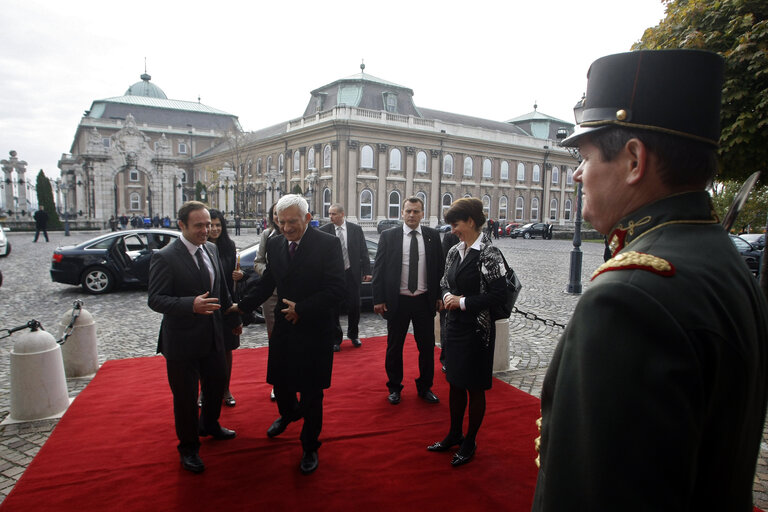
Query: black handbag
column 513, row 285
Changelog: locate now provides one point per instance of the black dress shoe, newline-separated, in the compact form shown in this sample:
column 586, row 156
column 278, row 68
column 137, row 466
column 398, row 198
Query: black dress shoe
column 356, row 342
column 272, row 395
column 337, row 348
column 309, row 462
column 429, row 396
column 394, row 397
column 193, row 463
column 444, row 370
column 446, row 444
column 464, row 454
column 230, row 401
column 222, row 434
column 278, row 427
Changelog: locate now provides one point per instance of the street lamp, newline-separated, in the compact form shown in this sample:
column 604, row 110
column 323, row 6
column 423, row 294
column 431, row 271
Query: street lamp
column 574, row 278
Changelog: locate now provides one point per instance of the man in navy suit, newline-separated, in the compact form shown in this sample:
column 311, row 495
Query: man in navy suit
column 406, row 288
column 187, row 286
column 357, row 267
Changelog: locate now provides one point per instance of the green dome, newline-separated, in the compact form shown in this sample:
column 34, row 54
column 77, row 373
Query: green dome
column 144, row 88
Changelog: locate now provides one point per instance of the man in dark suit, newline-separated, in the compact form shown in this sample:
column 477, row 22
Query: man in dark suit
column 186, row 285
column 406, row 288
column 306, row 267
column 357, row 267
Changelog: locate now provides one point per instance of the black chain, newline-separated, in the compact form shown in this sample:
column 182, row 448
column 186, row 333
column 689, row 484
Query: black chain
column 34, row 325
column 534, row 316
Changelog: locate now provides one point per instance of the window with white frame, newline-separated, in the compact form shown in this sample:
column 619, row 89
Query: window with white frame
column 106, row 143
column 327, row 156
column 366, row 205
column 296, row 161
column 447, row 202
column 258, row 165
column 536, row 173
column 423, row 197
column 421, row 161
column 133, row 174
column 519, row 208
column 326, row 203
column 135, row 201
column 569, row 176
column 366, row 157
column 269, row 163
column 504, row 170
column 520, row 171
column 182, row 148
column 311, row 158
column 555, row 175
column 503, row 207
column 249, row 167
column 468, row 166
column 486, row 168
column 487, row 206
column 394, row 159
column 448, row 165
column 394, row 204
column 280, row 164
column 553, row 209
column 567, row 209
column 535, row 208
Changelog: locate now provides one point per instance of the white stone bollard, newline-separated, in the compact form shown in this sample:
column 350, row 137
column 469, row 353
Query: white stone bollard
column 501, row 351
column 38, row 386
column 81, row 357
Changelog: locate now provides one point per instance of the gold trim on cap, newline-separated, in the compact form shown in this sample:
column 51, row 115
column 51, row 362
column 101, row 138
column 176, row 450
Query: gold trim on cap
column 621, row 114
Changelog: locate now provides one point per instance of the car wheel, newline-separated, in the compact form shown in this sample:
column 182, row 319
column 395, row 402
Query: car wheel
column 527, row 236
column 97, row 280
column 7, row 250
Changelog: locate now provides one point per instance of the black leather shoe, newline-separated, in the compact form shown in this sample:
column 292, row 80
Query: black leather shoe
column 394, row 397
column 444, row 370
column 464, row 455
column 222, row 434
column 272, row 395
column 446, row 444
column 278, row 427
column 309, row 462
column 429, row 396
column 193, row 463
column 230, row 401
column 356, row 342
column 337, row 348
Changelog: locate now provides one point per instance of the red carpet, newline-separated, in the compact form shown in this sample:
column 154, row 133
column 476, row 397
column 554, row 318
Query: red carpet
column 116, row 447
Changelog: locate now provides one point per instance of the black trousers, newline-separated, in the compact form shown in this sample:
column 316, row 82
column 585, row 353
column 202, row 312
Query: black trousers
column 309, row 406
column 37, row 234
column 419, row 311
column 352, row 302
column 184, row 377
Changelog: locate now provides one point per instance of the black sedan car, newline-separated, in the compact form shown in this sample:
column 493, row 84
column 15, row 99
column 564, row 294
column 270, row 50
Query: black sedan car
column 533, row 229
column 103, row 263
column 749, row 253
column 385, row 224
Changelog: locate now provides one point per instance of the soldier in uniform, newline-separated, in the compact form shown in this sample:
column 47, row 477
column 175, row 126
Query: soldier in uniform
column 656, row 394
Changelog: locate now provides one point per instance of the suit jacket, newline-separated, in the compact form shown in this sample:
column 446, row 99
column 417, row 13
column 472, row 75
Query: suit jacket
column 174, row 282
column 388, row 266
column 301, row 355
column 359, row 261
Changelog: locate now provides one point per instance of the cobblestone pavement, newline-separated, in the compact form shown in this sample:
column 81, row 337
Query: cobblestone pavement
column 126, row 327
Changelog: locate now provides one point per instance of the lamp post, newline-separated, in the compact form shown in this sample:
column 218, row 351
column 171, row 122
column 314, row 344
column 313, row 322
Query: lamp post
column 574, row 277
column 274, row 187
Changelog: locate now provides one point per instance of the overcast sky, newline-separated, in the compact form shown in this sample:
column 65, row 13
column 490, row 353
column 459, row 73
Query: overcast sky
column 259, row 60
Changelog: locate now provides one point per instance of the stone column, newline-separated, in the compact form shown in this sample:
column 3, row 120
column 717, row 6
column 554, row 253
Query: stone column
column 7, row 185
column 348, row 168
column 382, row 198
column 222, row 188
column 21, row 169
column 230, row 197
column 80, row 202
column 435, row 199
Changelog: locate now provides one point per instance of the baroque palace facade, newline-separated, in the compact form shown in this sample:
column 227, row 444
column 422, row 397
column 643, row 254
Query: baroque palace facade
column 361, row 142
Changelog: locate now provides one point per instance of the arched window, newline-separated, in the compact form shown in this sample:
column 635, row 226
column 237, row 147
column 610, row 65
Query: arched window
column 536, row 173
column 269, row 164
column 468, row 166
column 447, row 201
column 486, row 168
column 366, row 205
column 249, row 168
column 423, row 197
column 258, row 166
column 280, row 164
column 553, row 209
column 135, row 200
column 421, row 162
column 311, row 158
column 366, row 157
column 394, row 159
column 394, row 204
column 327, row 156
column 569, row 176
column 520, row 172
column 504, row 170
column 555, row 175
column 326, row 203
column 567, row 210
column 296, row 161
column 535, row 208
column 448, row 165
column 487, row 206
column 519, row 208
column 503, row 207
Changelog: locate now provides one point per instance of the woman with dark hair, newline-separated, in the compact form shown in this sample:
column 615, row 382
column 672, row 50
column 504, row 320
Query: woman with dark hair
column 233, row 274
column 259, row 265
column 472, row 282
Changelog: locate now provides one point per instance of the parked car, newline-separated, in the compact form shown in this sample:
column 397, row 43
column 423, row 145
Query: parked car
column 108, row 261
column 749, row 253
column 533, row 229
column 444, row 228
column 756, row 239
column 5, row 245
column 510, row 227
column 385, row 224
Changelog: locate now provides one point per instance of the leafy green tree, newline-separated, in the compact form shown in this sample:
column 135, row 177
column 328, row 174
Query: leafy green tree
column 737, row 30
column 198, row 191
column 752, row 216
column 45, row 199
